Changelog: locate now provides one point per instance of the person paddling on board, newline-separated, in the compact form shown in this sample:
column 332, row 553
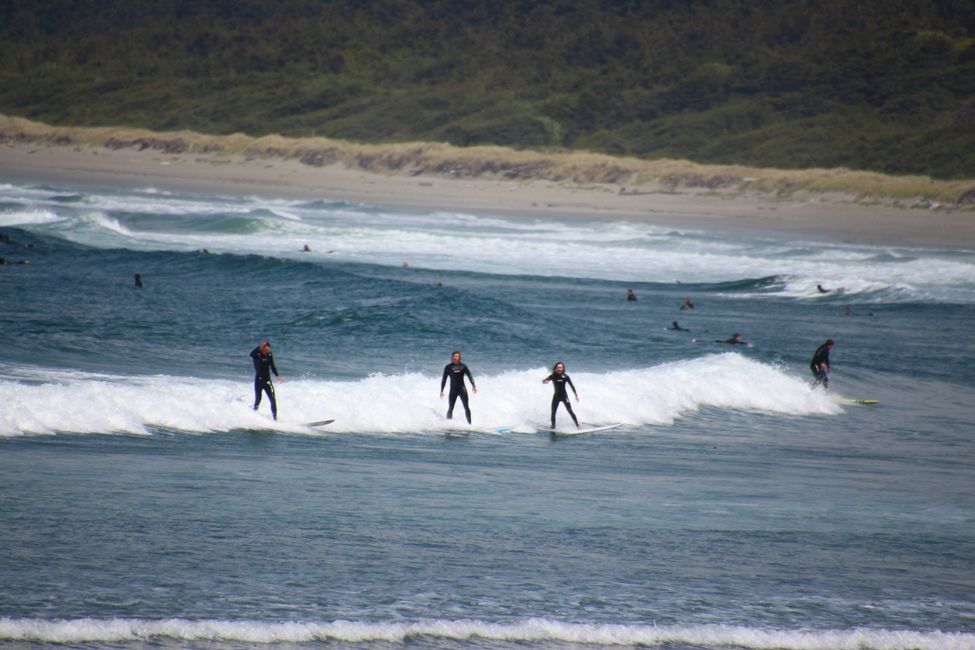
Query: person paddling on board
column 820, row 364
column 734, row 340
column 456, row 371
column 559, row 379
column 263, row 367
column 677, row 328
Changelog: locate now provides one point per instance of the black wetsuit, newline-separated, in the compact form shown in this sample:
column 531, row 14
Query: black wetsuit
column 560, row 396
column 456, row 372
column 819, row 358
column 263, row 367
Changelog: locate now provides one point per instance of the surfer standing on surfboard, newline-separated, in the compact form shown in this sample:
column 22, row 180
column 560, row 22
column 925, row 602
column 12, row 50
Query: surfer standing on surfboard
column 263, row 367
column 820, row 364
column 456, row 371
column 559, row 379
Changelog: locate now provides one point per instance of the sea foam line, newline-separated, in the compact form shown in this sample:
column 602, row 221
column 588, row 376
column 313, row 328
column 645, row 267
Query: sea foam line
column 55, row 402
column 617, row 251
column 91, row 630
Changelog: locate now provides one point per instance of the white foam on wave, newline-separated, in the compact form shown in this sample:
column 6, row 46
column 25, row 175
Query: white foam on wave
column 940, row 278
column 443, row 241
column 52, row 401
column 103, row 222
column 90, row 630
column 28, row 217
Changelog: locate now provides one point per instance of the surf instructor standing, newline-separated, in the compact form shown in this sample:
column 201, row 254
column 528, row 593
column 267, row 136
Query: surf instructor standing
column 456, row 370
column 263, row 367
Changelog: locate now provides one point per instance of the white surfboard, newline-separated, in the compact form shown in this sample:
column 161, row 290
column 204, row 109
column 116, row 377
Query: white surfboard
column 319, row 423
column 579, row 432
column 461, row 430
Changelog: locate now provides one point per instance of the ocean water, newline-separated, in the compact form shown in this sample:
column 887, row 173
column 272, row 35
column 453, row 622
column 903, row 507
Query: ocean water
column 144, row 504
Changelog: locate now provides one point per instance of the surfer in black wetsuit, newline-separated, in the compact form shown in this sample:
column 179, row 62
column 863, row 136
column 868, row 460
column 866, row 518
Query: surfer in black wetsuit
column 734, row 340
column 677, row 328
column 820, row 364
column 263, row 367
column 456, row 371
column 559, row 379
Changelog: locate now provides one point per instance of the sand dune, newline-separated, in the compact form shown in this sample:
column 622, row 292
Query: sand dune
column 841, row 205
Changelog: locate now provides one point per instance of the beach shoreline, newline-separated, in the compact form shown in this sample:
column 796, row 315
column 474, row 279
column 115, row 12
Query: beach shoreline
column 799, row 215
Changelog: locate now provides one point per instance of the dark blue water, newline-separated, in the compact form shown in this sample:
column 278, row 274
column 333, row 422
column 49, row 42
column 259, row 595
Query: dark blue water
column 144, row 504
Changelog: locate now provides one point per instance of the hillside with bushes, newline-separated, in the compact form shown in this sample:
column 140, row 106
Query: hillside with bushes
column 886, row 86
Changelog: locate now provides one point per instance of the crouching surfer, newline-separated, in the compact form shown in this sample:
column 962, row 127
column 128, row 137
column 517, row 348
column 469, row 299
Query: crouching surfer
column 819, row 365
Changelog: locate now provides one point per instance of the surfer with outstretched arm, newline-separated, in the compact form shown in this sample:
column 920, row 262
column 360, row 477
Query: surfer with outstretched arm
column 263, row 367
column 559, row 379
column 456, row 371
column 820, row 364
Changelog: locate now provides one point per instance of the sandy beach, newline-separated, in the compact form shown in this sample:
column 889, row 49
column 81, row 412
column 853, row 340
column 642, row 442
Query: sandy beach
column 805, row 215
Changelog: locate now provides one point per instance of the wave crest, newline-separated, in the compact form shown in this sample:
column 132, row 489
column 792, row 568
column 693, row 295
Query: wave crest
column 407, row 402
column 88, row 630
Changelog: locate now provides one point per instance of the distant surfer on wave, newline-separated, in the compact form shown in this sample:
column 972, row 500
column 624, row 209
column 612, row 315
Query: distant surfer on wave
column 263, row 367
column 559, row 379
column 820, row 364
column 677, row 328
column 456, row 371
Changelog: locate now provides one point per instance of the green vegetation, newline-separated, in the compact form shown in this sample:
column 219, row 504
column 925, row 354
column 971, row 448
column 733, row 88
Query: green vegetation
column 883, row 85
